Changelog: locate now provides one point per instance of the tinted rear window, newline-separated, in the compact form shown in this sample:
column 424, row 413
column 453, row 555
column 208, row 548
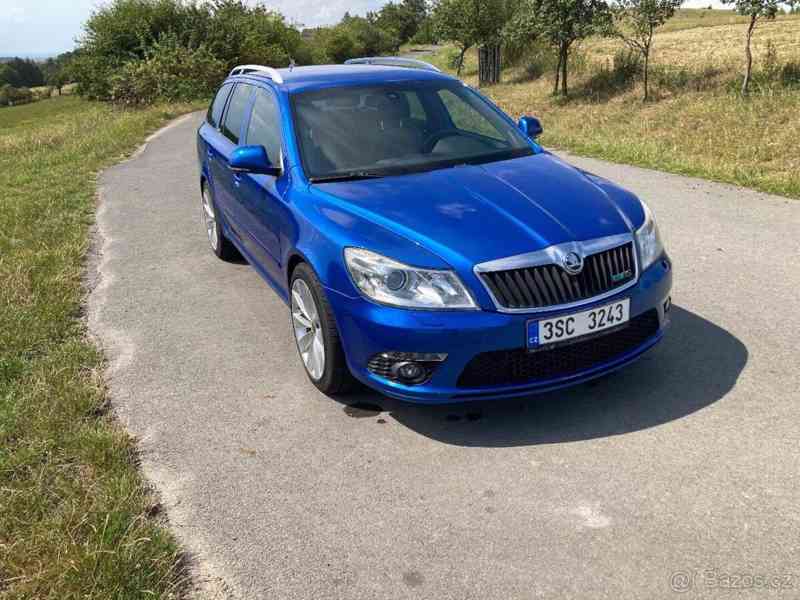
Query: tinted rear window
column 216, row 108
column 235, row 113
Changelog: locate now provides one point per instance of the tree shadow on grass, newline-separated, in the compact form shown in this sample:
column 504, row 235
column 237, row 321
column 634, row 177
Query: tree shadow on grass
column 695, row 365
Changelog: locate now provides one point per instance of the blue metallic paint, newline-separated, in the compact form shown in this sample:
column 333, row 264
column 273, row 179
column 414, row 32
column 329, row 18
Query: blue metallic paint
column 452, row 218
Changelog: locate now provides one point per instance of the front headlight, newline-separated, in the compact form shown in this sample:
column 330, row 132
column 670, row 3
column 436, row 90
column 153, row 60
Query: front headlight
column 390, row 282
column 648, row 239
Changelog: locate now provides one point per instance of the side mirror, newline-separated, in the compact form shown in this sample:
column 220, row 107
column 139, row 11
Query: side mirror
column 531, row 127
column 253, row 159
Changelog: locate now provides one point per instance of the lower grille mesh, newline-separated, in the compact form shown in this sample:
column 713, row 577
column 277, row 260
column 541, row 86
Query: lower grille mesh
column 517, row 366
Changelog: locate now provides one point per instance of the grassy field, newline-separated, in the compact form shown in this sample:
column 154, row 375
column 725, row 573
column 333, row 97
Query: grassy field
column 75, row 518
column 697, row 125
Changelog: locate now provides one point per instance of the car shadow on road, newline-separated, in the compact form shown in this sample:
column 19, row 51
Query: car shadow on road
column 695, row 365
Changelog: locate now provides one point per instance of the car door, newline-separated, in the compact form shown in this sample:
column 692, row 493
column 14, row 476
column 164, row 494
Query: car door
column 211, row 139
column 209, row 130
column 261, row 196
column 224, row 179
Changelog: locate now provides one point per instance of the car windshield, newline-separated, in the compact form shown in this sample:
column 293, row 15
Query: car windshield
column 391, row 129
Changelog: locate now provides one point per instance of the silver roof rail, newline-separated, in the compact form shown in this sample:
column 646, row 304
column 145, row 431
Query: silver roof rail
column 244, row 69
column 393, row 61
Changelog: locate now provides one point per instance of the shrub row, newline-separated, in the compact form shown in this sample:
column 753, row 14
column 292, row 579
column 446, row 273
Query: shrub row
column 140, row 51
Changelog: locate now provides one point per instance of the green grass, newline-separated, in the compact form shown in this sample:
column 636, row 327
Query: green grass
column 75, row 516
column 697, row 124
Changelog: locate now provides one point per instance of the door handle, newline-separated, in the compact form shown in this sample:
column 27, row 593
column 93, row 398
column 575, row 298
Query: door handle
column 237, row 179
column 210, row 155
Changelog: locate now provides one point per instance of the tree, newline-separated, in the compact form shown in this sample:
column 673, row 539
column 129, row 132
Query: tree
column 124, row 31
column 560, row 23
column 755, row 9
column 470, row 23
column 401, row 20
column 352, row 37
column 7, row 74
column 635, row 22
column 492, row 15
column 457, row 22
column 338, row 46
column 56, row 71
column 21, row 72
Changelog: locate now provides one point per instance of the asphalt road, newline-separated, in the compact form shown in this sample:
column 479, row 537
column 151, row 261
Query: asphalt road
column 685, row 463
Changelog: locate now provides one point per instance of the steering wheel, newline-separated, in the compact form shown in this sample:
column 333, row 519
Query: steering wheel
column 430, row 142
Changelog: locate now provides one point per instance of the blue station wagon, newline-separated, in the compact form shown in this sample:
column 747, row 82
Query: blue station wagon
column 425, row 244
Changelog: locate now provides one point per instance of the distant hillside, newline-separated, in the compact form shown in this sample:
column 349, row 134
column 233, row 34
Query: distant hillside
column 38, row 57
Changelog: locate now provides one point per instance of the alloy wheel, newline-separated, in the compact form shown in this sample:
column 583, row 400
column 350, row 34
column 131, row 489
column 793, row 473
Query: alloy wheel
column 307, row 329
column 210, row 219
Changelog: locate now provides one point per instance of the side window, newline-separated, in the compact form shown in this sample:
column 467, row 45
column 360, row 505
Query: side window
column 215, row 110
column 265, row 125
column 466, row 118
column 415, row 106
column 235, row 113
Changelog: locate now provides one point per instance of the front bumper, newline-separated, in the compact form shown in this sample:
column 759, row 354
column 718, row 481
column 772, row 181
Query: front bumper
column 367, row 329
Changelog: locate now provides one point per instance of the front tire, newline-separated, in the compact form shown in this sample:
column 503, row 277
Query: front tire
column 316, row 334
column 220, row 245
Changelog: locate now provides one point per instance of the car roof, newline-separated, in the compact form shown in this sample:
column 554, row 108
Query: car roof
column 299, row 79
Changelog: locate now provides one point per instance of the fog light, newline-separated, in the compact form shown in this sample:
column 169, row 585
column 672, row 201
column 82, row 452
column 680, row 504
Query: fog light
column 409, row 368
column 410, row 372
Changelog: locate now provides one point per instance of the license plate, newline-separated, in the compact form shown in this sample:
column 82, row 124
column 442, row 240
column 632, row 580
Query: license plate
column 558, row 329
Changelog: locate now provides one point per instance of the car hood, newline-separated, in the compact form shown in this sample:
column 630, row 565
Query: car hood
column 476, row 213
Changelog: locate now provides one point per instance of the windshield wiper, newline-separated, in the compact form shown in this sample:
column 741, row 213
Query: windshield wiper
column 351, row 176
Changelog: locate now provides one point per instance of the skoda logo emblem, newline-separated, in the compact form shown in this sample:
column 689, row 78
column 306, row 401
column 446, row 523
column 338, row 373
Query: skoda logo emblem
column 572, row 263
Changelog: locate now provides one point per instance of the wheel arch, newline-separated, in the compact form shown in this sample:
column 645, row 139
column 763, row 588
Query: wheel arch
column 295, row 258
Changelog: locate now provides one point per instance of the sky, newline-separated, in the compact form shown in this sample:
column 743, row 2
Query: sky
column 48, row 27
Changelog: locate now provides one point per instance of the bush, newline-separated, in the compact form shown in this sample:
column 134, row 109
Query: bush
column 790, row 74
column 539, row 59
column 170, row 73
column 129, row 32
column 775, row 75
column 678, row 79
column 22, row 95
column 353, row 37
column 11, row 96
column 5, row 94
column 539, row 63
column 426, row 34
column 451, row 57
column 772, row 76
column 616, row 77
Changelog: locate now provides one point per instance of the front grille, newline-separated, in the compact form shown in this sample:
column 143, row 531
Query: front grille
column 517, row 366
column 550, row 285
